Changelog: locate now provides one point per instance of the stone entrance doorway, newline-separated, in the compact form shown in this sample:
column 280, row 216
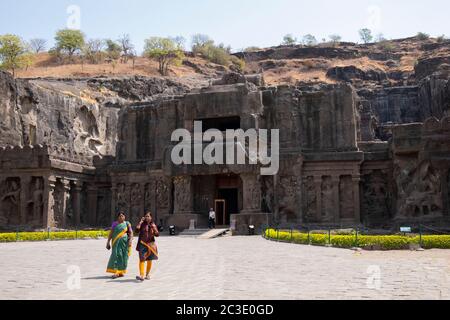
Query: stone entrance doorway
column 226, row 205
column 222, row 192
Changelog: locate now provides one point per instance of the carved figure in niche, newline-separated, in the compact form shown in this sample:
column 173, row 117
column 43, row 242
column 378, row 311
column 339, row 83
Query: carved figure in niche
column 328, row 203
column 346, row 198
column 182, row 194
column 267, row 194
column 310, row 199
column 122, row 202
column 162, row 194
column 148, row 197
column 376, row 196
column 10, row 202
column 37, row 202
column 288, row 204
column 136, row 203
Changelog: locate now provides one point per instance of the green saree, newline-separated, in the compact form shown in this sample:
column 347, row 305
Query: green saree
column 118, row 262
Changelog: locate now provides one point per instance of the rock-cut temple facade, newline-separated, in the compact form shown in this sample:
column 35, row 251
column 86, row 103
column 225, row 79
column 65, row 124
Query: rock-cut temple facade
column 71, row 162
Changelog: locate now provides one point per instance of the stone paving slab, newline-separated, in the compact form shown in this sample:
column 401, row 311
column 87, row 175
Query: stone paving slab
column 223, row 269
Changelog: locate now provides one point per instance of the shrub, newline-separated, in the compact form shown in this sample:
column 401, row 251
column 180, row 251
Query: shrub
column 393, row 242
column 43, row 236
column 441, row 38
column 423, row 36
column 436, row 242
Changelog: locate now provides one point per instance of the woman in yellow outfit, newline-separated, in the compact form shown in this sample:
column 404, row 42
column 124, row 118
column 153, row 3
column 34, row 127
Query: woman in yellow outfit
column 148, row 251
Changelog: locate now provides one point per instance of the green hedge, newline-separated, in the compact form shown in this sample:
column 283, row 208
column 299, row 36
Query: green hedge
column 43, row 236
column 394, row 242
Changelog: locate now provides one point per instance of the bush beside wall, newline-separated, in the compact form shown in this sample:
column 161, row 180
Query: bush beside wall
column 43, row 236
column 392, row 242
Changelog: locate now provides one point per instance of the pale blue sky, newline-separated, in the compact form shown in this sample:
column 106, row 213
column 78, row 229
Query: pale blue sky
column 239, row 23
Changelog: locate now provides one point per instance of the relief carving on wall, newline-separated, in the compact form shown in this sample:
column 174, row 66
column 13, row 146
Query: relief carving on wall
column 182, row 194
column 162, row 193
column 419, row 192
column 35, row 206
column 376, row 197
column 288, row 190
column 310, row 201
column 328, row 199
column 136, row 203
column 10, row 202
column 122, row 198
column 346, row 197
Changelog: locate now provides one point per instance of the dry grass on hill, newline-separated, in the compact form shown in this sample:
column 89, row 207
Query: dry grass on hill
column 44, row 66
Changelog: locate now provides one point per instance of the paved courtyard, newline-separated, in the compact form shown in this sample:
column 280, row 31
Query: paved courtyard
column 225, row 268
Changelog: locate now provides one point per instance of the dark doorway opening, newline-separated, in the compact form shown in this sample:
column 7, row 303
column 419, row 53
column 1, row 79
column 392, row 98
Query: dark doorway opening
column 221, row 124
column 231, row 205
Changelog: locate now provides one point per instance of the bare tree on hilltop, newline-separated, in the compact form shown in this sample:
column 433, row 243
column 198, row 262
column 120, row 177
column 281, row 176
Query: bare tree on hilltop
column 38, row 45
column 127, row 47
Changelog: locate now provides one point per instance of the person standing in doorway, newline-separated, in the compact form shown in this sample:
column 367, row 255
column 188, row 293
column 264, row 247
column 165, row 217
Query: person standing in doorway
column 212, row 219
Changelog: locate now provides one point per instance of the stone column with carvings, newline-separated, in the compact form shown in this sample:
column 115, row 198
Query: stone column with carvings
column 77, row 189
column 252, row 193
column 318, row 184
column 356, row 198
column 337, row 213
column 49, row 201
column 92, row 204
column 25, row 198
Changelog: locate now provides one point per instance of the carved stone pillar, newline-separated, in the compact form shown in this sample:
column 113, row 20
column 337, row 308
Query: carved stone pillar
column 318, row 184
column 337, row 214
column 356, row 198
column 92, row 204
column 252, row 193
column 184, row 200
column 49, row 201
column 65, row 201
column 77, row 189
column 25, row 182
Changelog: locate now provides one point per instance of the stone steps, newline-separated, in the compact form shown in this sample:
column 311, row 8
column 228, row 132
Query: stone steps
column 193, row 232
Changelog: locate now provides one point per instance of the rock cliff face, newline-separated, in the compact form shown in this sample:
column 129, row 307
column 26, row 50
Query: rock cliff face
column 80, row 115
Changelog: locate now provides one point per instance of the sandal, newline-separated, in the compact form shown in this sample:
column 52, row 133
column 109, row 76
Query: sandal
column 147, row 277
column 138, row 278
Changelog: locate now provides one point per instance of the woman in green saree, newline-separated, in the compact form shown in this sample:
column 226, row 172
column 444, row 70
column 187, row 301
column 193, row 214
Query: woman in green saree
column 121, row 236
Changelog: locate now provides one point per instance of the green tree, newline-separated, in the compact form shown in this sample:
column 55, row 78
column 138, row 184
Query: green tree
column 14, row 53
column 309, row 40
column 366, row 35
column 69, row 41
column 199, row 41
column 335, row 38
column 165, row 51
column 289, row 40
column 113, row 49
